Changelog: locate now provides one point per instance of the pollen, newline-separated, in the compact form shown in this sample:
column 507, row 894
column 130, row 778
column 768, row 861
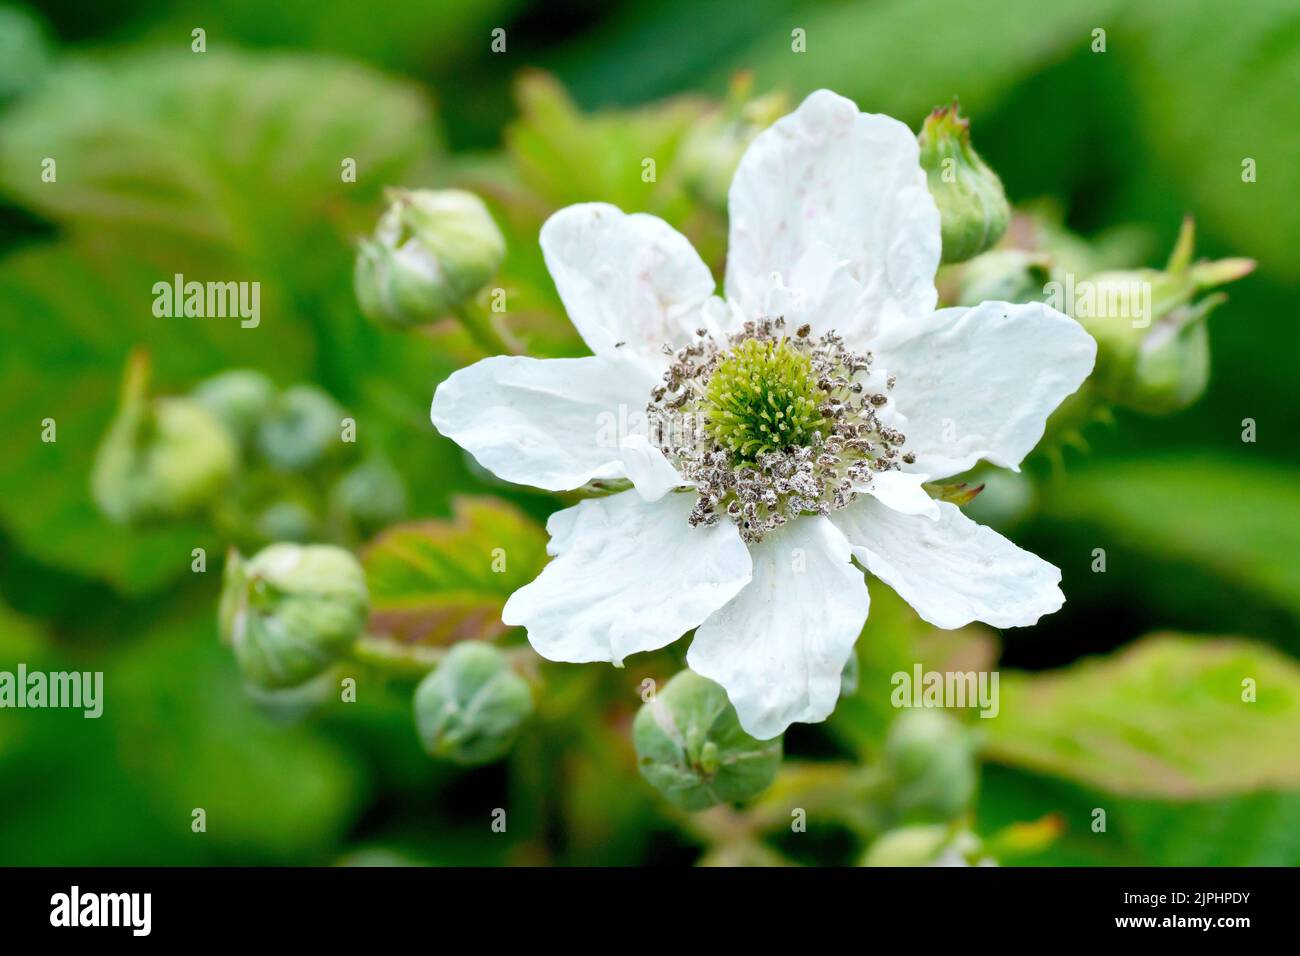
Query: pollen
column 768, row 427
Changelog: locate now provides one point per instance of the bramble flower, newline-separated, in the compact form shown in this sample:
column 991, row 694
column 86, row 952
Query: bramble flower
column 772, row 439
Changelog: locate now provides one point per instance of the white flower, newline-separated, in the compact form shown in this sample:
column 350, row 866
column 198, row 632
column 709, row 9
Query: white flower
column 735, row 528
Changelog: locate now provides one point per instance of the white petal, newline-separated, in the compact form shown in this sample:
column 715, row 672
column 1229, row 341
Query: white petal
column 628, row 576
column 651, row 472
column 952, row 571
column 551, row 423
column 903, row 492
column 779, row 647
column 821, row 292
column 629, row 279
column 980, row 383
column 851, row 180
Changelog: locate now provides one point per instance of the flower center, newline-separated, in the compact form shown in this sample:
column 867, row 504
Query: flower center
column 768, row 426
column 762, row 398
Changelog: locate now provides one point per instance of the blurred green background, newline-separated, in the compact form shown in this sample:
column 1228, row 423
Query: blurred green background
column 225, row 165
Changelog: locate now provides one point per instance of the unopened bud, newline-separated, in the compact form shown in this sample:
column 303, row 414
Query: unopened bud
column 691, row 748
column 470, row 708
column 239, row 398
column 930, row 758
column 162, row 458
column 291, row 611
column 431, row 251
column 973, row 209
column 302, row 427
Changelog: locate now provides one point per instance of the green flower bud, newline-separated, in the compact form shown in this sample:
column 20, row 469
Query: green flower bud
column 370, row 496
column 239, row 398
column 1152, row 344
column 431, row 251
column 935, row 845
column 973, row 209
column 930, row 757
column 691, row 748
column 162, row 458
column 291, row 611
column 301, row 428
column 712, row 149
column 908, row 846
column 1004, row 275
column 288, row 520
column 470, row 708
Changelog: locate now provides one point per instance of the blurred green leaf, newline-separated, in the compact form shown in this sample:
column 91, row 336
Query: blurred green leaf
column 1163, row 718
column 1193, row 59
column 1240, row 520
column 241, row 150
column 437, row 582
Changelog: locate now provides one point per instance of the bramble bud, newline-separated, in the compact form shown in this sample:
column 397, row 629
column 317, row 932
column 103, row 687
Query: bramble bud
column 712, row 149
column 162, row 458
column 370, row 496
column 691, row 748
column 291, row 611
column 935, row 845
column 1152, row 344
column 287, row 520
column 973, row 209
column 239, row 398
column 302, row 426
column 469, row 709
column 432, row 250
column 930, row 758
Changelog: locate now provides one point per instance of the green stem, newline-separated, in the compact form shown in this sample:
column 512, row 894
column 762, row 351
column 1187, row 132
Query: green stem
column 412, row 660
column 484, row 331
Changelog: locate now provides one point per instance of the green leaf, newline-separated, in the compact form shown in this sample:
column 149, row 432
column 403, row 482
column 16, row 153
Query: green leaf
column 240, row 150
column 1163, row 718
column 437, row 582
column 1237, row 519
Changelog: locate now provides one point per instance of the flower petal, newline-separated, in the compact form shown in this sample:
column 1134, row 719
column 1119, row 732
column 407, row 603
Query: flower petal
column 980, row 382
column 953, row 570
column 779, row 647
column 851, row 180
column 629, row 282
column 551, row 423
column 903, row 492
column 648, row 468
column 628, row 576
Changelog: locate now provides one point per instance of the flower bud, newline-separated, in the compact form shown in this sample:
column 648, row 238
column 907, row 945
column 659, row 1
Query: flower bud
column 162, row 458
column 239, row 398
column 934, row 845
column 1004, row 275
column 287, row 520
column 431, row 251
column 930, row 758
column 470, row 708
column 370, row 496
column 712, row 149
column 973, row 209
column 691, row 748
column 291, row 611
column 302, row 426
column 1152, row 344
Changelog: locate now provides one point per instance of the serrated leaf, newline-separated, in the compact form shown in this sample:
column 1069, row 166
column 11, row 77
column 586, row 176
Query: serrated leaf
column 1163, row 718
column 436, row 582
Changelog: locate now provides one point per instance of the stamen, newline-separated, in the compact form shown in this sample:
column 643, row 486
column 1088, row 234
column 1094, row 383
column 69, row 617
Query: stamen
column 769, row 427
